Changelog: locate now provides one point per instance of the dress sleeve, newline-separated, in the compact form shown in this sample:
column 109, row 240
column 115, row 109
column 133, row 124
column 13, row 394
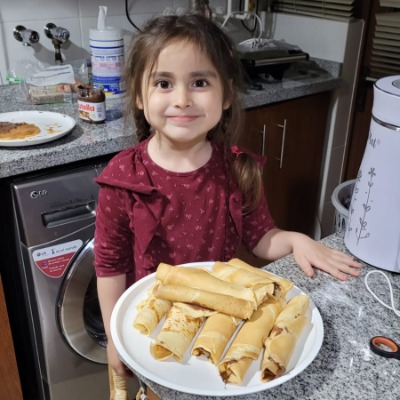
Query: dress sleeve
column 113, row 236
column 256, row 224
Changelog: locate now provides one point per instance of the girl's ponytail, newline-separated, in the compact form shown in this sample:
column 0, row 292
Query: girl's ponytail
column 246, row 171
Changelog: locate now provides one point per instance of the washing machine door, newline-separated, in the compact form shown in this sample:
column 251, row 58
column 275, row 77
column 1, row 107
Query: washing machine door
column 79, row 315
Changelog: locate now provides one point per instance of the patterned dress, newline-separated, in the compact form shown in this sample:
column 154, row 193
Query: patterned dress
column 147, row 215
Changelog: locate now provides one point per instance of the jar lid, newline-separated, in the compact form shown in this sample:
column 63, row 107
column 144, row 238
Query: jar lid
column 386, row 104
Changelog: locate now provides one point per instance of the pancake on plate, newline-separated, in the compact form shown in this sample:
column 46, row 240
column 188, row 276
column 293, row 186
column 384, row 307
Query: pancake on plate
column 17, row 130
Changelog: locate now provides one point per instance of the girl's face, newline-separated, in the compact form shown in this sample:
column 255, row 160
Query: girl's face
column 182, row 97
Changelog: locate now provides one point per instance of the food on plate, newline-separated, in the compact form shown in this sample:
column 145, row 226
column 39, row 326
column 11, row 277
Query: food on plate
column 214, row 336
column 284, row 284
column 262, row 287
column 281, row 342
column 150, row 312
column 17, row 130
column 198, row 278
column 226, row 304
column 176, row 335
column 248, row 343
column 237, row 311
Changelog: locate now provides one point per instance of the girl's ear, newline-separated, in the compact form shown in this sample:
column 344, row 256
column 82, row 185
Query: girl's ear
column 228, row 101
column 226, row 104
column 139, row 102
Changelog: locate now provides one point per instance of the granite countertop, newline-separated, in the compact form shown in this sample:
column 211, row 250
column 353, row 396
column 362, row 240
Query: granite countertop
column 89, row 140
column 345, row 368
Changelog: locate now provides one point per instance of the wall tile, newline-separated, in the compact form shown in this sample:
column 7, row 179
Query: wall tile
column 91, row 8
column 22, row 11
column 43, row 51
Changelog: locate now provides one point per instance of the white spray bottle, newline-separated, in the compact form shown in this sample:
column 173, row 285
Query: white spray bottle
column 107, row 57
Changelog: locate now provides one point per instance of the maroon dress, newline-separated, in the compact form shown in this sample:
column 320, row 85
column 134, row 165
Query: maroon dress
column 147, row 215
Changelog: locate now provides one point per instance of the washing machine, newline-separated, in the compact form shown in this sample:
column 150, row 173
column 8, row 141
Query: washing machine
column 58, row 332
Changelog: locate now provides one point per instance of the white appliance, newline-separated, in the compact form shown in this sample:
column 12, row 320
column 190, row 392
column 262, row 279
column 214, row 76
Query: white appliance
column 373, row 230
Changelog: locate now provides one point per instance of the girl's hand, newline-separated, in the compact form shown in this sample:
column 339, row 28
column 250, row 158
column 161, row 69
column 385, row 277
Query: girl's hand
column 115, row 362
column 309, row 253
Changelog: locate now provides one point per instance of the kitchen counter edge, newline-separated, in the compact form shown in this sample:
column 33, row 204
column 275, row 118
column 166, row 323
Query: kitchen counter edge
column 88, row 141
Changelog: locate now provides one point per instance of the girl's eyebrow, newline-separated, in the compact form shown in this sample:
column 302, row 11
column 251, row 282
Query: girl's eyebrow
column 161, row 74
column 194, row 74
column 204, row 74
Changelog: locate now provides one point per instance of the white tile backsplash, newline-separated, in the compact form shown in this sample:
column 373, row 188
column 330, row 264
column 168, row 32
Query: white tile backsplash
column 78, row 16
column 24, row 12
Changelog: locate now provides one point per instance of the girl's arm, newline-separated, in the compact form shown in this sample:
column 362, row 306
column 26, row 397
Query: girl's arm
column 109, row 291
column 307, row 252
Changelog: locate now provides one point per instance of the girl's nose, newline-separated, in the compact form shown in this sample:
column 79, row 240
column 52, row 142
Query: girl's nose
column 183, row 97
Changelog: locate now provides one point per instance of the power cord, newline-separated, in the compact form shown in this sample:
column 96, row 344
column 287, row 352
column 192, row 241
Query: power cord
column 129, row 18
column 390, row 307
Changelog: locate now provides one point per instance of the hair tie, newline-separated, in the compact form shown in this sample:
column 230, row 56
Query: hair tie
column 237, row 151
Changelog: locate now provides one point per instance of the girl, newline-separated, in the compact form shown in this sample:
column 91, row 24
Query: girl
column 182, row 195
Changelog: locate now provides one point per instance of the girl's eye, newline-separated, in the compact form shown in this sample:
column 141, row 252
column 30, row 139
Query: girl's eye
column 163, row 84
column 200, row 83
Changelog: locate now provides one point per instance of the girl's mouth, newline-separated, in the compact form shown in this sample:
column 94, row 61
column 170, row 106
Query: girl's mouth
column 182, row 118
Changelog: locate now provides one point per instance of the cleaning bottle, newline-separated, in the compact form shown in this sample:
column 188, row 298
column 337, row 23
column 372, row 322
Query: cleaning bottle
column 107, row 57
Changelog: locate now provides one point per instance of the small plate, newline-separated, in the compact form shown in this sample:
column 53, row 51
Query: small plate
column 52, row 126
column 196, row 375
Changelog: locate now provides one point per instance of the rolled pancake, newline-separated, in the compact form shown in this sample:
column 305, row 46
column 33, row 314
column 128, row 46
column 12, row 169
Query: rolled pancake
column 193, row 310
column 248, row 343
column 214, row 336
column 201, row 279
column 280, row 344
column 232, row 306
column 284, row 284
column 175, row 335
column 295, row 307
column 263, row 287
column 150, row 313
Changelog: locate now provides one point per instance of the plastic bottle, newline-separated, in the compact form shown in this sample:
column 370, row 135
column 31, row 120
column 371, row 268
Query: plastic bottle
column 107, row 57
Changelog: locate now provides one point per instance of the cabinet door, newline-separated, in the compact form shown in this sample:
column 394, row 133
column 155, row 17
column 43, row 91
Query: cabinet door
column 9, row 377
column 291, row 135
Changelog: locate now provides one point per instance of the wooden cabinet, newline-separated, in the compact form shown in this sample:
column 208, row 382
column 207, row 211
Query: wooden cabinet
column 9, row 378
column 291, row 135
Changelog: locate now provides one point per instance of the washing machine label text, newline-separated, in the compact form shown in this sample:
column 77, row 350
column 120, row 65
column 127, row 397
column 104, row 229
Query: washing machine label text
column 54, row 260
column 38, row 193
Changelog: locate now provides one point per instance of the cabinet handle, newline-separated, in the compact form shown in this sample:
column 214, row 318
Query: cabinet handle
column 264, row 134
column 283, row 142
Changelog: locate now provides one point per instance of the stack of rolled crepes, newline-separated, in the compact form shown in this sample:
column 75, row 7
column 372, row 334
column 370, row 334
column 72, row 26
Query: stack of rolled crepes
column 232, row 308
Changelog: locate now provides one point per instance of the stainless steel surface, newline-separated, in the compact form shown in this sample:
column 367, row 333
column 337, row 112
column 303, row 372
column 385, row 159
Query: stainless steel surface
column 72, row 298
column 58, row 36
column 56, row 32
column 54, row 217
column 26, row 36
column 283, row 126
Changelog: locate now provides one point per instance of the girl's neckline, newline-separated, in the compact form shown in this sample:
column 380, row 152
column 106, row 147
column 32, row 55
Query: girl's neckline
column 176, row 173
column 171, row 171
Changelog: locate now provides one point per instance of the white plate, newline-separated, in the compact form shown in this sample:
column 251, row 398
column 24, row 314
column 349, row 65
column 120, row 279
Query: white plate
column 52, row 126
column 197, row 375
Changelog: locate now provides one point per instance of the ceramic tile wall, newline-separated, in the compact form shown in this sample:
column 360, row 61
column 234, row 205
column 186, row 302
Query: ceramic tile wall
column 78, row 16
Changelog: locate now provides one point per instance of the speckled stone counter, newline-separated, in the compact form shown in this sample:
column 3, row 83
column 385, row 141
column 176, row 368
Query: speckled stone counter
column 88, row 141
column 345, row 368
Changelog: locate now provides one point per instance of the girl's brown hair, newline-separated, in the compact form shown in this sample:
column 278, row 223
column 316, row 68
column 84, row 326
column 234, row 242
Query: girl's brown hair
column 217, row 46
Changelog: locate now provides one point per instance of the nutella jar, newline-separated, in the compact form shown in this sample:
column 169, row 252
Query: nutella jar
column 92, row 104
